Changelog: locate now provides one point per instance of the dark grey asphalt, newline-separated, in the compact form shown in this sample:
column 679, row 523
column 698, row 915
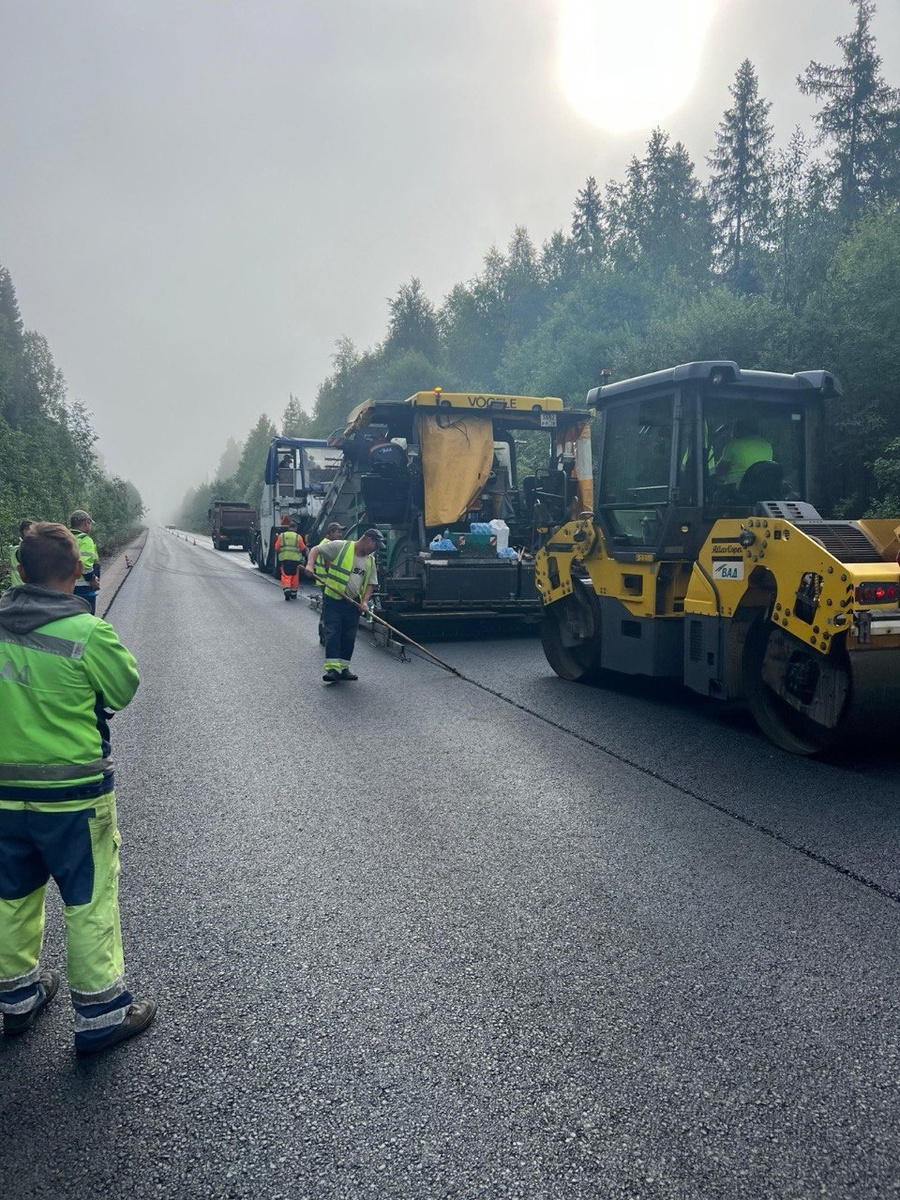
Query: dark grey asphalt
column 410, row 940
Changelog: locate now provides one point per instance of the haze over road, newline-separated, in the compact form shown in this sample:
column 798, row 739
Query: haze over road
column 411, row 939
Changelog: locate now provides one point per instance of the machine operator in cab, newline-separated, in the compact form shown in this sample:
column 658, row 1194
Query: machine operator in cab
column 746, row 447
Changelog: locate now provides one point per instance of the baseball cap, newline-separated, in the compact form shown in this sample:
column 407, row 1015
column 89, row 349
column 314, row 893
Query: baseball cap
column 78, row 516
column 376, row 535
column 334, row 525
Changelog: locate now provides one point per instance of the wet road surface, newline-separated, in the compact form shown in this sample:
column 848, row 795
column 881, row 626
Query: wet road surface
column 423, row 937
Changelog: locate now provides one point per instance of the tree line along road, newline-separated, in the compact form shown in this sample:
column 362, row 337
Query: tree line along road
column 422, row 937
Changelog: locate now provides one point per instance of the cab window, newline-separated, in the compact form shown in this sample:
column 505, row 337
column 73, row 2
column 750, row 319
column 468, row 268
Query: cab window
column 756, row 450
column 635, row 473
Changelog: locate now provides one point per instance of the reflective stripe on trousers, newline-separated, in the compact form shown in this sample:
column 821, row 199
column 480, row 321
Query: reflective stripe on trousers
column 77, row 843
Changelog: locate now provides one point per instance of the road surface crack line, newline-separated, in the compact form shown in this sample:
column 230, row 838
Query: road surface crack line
column 756, row 826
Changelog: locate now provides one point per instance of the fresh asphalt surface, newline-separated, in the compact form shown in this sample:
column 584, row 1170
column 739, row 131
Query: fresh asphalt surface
column 423, row 937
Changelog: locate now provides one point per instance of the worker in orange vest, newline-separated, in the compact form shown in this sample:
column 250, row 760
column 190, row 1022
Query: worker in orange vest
column 290, row 552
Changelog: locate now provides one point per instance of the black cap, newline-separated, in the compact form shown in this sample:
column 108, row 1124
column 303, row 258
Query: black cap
column 376, row 535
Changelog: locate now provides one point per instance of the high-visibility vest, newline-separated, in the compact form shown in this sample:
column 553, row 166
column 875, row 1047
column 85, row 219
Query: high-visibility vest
column 87, row 548
column 339, row 570
column 291, row 546
column 320, row 566
column 740, row 454
column 50, row 736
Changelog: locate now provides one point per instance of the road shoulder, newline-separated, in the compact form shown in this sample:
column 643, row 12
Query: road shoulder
column 117, row 569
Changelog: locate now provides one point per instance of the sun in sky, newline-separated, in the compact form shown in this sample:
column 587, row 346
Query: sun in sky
column 628, row 64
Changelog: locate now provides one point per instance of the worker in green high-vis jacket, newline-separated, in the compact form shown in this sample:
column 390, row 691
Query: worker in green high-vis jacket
column 62, row 671
column 80, row 525
column 13, row 552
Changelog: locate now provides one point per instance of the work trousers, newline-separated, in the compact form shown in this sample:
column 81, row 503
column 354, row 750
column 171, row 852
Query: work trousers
column 340, row 621
column 290, row 574
column 88, row 591
column 75, row 842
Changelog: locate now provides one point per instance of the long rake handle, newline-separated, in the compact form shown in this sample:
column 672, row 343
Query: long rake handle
column 422, row 649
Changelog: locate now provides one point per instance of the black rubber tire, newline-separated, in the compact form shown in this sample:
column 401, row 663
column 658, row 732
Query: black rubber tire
column 575, row 659
column 780, row 722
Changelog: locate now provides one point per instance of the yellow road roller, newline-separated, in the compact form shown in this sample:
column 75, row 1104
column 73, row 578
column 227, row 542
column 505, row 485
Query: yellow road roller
column 705, row 559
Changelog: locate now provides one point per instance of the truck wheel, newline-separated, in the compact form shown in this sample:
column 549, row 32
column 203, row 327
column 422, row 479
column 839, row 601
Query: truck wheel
column 570, row 635
column 798, row 698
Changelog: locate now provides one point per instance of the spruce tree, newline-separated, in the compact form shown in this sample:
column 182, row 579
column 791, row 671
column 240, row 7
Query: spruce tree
column 295, row 420
column 522, row 287
column 586, row 219
column 740, row 184
column 413, row 321
column 248, row 478
column 860, row 119
column 659, row 217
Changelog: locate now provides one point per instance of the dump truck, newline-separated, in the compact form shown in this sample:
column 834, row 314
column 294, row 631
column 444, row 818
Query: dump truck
column 458, row 483
column 705, row 559
column 297, row 475
column 232, row 523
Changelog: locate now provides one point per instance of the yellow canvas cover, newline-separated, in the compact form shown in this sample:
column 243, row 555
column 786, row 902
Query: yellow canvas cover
column 457, row 455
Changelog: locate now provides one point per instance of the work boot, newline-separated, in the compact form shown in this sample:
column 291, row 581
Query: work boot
column 331, row 676
column 140, row 1014
column 348, row 675
column 287, row 594
column 16, row 1023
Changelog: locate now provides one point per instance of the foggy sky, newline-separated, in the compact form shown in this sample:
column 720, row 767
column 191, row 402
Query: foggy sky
column 198, row 197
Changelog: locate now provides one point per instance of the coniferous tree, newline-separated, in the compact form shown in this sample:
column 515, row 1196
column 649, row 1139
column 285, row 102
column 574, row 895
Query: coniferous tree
column 48, row 460
column 348, row 384
column 860, row 119
column 12, row 335
column 522, row 287
column 413, row 322
column 472, row 323
column 295, row 420
column 230, row 460
column 248, row 478
column 587, row 229
column 559, row 264
column 740, row 184
column 658, row 218
column 788, row 181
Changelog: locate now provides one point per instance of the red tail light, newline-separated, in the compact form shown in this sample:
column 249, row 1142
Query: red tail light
column 878, row 593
